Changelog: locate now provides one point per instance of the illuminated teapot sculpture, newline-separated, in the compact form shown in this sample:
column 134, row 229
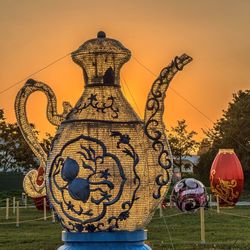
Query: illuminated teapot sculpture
column 107, row 169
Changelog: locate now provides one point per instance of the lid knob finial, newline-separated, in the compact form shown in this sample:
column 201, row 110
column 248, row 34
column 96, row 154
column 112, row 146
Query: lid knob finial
column 101, row 34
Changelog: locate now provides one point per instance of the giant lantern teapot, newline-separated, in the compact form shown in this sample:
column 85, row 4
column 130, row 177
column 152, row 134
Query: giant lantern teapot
column 107, row 169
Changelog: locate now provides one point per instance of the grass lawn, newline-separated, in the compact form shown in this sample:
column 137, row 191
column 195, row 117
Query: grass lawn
column 223, row 231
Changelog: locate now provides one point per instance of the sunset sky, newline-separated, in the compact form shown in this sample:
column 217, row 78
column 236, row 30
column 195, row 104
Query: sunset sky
column 215, row 33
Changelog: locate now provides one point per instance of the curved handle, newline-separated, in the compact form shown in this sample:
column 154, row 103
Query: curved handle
column 21, row 115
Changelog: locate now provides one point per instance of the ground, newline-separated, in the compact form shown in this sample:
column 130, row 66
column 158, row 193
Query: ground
column 228, row 230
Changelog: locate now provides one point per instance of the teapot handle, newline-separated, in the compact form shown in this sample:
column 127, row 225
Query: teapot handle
column 21, row 115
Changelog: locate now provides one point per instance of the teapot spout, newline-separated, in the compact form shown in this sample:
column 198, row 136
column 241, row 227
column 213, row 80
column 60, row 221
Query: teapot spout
column 154, row 127
column 155, row 102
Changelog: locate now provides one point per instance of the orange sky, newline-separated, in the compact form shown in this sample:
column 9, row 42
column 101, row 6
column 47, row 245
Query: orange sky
column 215, row 33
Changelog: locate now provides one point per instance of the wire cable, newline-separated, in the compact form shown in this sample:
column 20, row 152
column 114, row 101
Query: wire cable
column 170, row 237
column 25, row 221
column 168, row 216
column 138, row 110
column 236, row 215
column 34, row 73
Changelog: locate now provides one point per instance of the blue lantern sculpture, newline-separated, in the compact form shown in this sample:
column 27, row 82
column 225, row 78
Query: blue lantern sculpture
column 107, row 170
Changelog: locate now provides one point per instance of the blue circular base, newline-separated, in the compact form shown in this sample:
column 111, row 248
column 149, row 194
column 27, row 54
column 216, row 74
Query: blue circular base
column 120, row 240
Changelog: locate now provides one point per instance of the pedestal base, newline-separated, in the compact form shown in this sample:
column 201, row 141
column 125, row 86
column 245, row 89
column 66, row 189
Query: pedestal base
column 120, row 240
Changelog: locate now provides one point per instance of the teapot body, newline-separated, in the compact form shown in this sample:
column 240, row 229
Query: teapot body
column 102, row 168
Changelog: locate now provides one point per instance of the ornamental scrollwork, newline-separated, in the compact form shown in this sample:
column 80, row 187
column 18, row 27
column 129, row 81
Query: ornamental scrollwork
column 128, row 150
column 93, row 102
column 154, row 126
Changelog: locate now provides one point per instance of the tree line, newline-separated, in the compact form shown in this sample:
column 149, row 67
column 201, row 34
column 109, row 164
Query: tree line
column 232, row 130
column 15, row 154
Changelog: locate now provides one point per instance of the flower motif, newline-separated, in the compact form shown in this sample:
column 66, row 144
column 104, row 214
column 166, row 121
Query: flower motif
column 70, row 205
column 106, row 196
column 124, row 139
column 105, row 173
column 92, row 97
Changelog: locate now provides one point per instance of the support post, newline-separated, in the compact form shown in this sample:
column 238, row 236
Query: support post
column 160, row 208
column 53, row 216
column 202, row 219
column 7, row 208
column 218, row 204
column 17, row 214
column 23, row 195
column 14, row 205
column 171, row 203
column 25, row 200
column 210, row 198
column 44, row 209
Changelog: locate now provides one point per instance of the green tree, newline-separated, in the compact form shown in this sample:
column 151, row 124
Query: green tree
column 15, row 154
column 182, row 142
column 46, row 142
column 204, row 146
column 231, row 131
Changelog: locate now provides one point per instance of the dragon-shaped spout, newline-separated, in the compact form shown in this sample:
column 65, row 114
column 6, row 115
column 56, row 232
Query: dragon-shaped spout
column 154, row 127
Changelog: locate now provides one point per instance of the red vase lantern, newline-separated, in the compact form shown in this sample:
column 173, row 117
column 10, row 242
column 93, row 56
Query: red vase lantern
column 226, row 177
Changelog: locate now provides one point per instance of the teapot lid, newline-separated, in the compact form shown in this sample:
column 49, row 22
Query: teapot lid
column 101, row 60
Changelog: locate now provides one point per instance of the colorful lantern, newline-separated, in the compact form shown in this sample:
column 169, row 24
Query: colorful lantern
column 107, row 170
column 226, row 177
column 189, row 194
column 34, row 187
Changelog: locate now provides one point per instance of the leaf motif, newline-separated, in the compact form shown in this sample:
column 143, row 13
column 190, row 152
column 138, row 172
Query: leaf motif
column 80, row 211
column 128, row 152
column 109, row 183
column 89, row 212
column 115, row 133
column 126, row 203
column 111, row 218
column 86, row 166
column 92, row 151
column 83, row 154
